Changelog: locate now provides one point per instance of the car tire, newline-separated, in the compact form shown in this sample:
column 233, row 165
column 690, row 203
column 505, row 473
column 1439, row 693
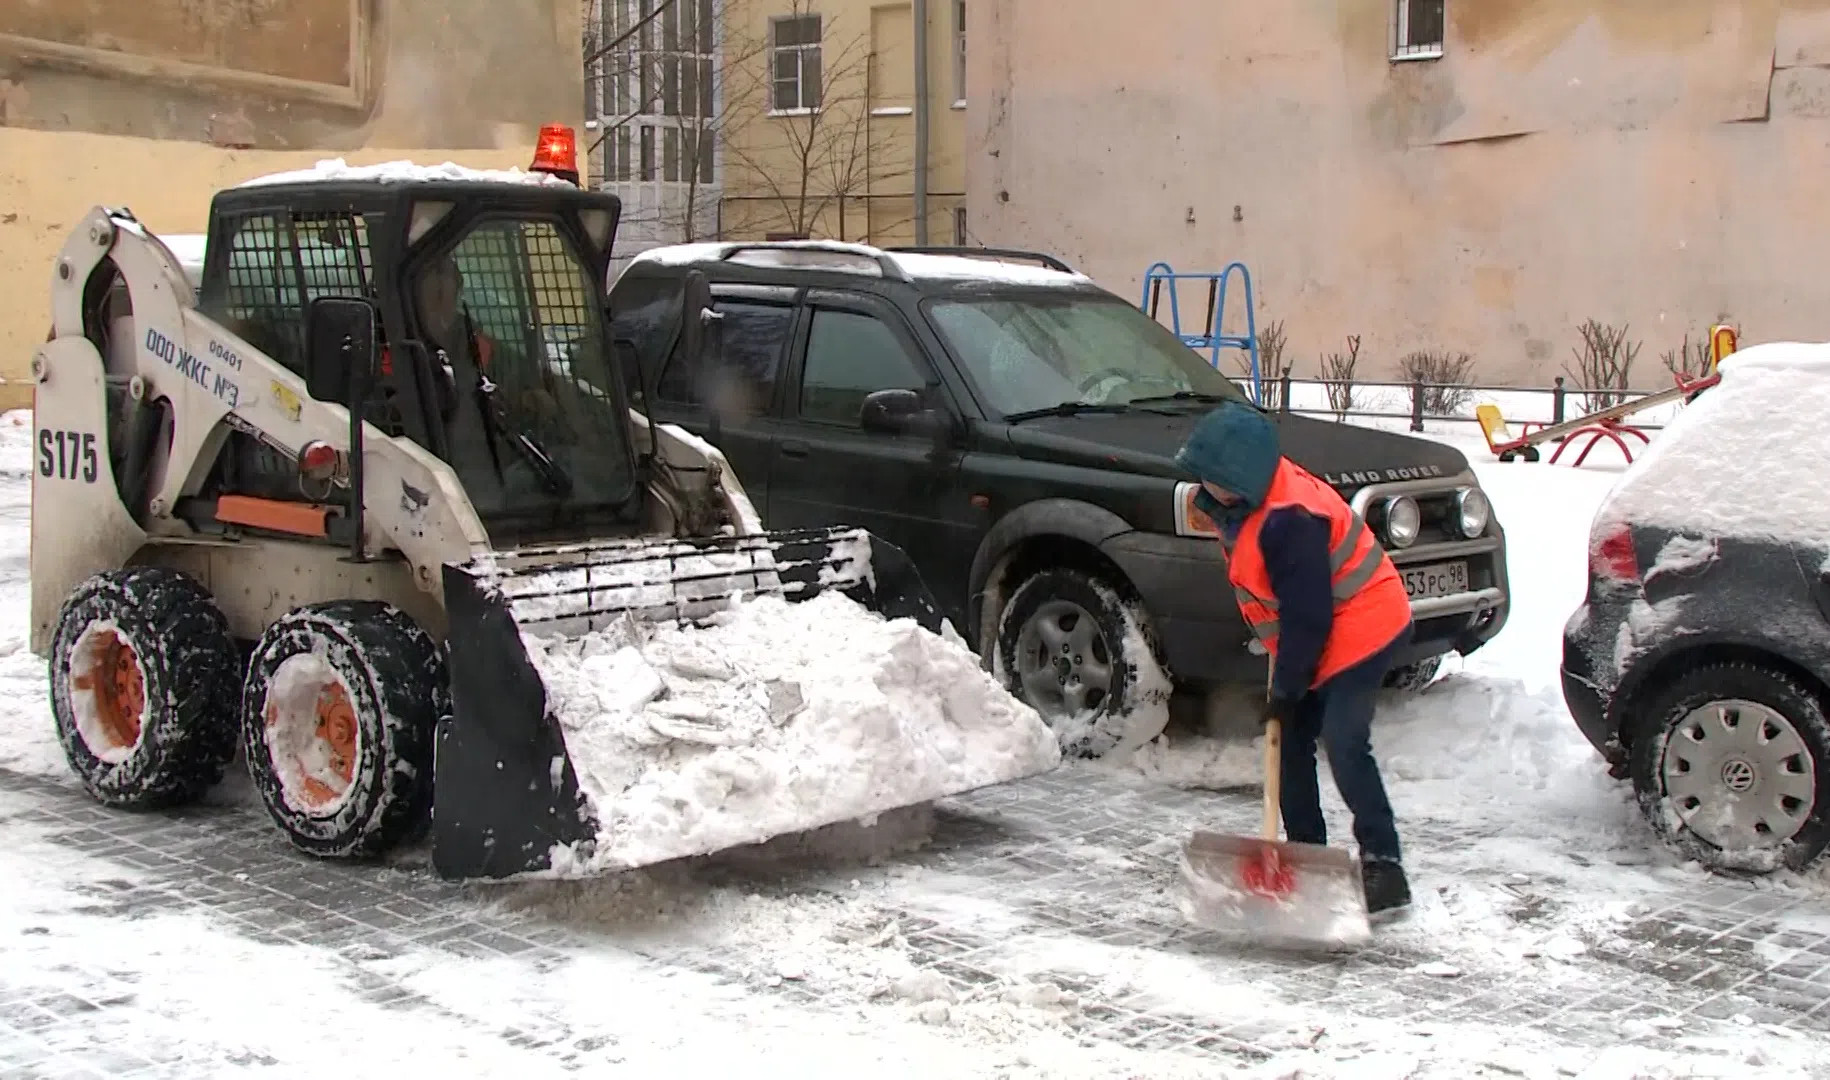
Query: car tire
column 1413, row 677
column 1785, row 760
column 337, row 723
column 144, row 677
column 1105, row 665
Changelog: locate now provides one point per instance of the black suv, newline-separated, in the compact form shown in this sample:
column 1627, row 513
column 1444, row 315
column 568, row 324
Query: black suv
column 1011, row 426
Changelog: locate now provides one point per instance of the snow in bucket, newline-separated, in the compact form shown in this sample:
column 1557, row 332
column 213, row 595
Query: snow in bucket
column 775, row 718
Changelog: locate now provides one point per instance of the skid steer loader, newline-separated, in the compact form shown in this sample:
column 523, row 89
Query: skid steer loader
column 316, row 508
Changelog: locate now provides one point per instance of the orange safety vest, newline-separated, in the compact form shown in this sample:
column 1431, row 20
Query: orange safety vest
column 1370, row 604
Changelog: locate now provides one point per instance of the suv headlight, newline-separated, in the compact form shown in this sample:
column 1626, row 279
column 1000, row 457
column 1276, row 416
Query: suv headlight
column 1473, row 512
column 1403, row 521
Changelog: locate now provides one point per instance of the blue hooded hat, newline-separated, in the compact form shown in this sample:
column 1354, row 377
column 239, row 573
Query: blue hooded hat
column 1234, row 447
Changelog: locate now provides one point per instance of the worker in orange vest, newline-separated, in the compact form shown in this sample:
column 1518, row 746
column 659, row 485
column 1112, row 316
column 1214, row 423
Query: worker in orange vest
column 1319, row 591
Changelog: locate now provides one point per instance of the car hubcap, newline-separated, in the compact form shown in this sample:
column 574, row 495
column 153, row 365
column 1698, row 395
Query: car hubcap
column 1063, row 663
column 1739, row 775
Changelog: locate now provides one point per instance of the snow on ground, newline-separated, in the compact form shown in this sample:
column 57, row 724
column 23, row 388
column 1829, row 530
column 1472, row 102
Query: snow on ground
column 1488, row 748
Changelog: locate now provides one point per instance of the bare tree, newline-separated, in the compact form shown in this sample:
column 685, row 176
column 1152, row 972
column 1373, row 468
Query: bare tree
column 1338, row 371
column 1446, row 379
column 1692, row 359
column 1604, row 365
column 663, row 73
column 808, row 148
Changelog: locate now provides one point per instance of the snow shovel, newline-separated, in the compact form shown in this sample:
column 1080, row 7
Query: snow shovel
column 1279, row 892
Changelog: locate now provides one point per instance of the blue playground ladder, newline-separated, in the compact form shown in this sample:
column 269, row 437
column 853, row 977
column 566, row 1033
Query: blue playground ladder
column 1213, row 338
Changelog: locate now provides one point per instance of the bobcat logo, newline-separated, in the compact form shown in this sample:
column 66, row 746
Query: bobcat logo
column 412, row 500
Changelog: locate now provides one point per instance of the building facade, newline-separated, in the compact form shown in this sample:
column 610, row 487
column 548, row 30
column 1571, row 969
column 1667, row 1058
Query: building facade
column 820, row 120
column 653, row 108
column 159, row 110
column 1479, row 176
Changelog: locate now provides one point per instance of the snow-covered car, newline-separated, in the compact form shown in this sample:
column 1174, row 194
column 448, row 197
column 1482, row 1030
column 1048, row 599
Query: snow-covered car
column 1699, row 662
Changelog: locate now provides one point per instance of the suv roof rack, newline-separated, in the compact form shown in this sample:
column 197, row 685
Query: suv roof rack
column 1002, row 254
column 884, row 265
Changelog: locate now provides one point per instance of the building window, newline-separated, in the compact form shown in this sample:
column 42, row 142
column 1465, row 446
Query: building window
column 795, row 50
column 959, row 53
column 1418, row 30
column 959, row 226
column 656, row 74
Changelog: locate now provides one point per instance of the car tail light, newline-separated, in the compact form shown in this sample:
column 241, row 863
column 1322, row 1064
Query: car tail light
column 1611, row 555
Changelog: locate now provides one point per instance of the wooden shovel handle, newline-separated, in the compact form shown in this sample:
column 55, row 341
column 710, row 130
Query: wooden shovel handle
column 1273, row 761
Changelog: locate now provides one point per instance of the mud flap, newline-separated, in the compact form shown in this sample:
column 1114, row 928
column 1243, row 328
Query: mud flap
column 504, row 790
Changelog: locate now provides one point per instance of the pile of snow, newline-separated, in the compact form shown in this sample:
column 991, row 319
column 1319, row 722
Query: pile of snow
column 1767, row 411
column 775, row 718
column 403, row 172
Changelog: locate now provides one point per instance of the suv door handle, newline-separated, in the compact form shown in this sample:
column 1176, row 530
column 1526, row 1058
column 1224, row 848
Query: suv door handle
column 794, row 448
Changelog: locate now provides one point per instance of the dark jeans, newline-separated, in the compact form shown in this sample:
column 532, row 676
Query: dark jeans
column 1340, row 714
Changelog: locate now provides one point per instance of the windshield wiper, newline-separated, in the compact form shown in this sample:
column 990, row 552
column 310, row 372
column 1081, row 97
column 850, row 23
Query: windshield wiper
column 495, row 420
column 1065, row 408
column 1185, row 395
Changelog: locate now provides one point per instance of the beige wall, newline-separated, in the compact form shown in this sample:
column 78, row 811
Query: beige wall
column 847, row 173
column 1658, row 163
column 165, row 101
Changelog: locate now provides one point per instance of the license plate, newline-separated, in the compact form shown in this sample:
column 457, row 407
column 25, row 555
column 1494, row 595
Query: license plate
column 1436, row 579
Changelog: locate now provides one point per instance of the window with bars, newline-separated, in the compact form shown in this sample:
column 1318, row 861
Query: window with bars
column 1418, row 29
column 278, row 263
column 659, row 80
column 794, row 47
column 541, row 434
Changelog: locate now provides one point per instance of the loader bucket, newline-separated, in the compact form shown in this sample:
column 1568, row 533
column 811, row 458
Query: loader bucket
column 507, row 799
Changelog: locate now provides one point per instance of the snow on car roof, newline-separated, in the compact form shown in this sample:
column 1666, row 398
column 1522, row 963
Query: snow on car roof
column 399, row 172
column 861, row 259
column 1765, row 418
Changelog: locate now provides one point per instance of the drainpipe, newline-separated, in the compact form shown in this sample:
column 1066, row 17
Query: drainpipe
column 921, row 121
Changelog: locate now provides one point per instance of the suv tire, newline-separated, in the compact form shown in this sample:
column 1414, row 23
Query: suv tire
column 1773, row 741
column 1077, row 651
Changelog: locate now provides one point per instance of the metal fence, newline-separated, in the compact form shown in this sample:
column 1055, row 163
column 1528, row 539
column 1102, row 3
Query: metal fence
column 1413, row 401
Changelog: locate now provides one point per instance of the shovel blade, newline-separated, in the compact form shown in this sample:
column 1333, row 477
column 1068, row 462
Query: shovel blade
column 1275, row 892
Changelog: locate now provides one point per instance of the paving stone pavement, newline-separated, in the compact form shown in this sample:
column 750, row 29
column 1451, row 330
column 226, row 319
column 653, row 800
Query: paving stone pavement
column 1083, row 855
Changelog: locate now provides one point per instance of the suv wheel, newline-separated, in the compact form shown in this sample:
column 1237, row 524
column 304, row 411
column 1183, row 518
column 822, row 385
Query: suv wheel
column 1078, row 653
column 1731, row 763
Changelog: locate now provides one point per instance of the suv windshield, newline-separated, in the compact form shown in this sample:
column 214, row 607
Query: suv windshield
column 534, row 429
column 1037, row 352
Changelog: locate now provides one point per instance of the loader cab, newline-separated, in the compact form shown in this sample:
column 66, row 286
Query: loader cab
column 492, row 342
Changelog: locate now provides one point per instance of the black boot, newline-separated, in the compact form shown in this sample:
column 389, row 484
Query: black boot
column 1386, row 888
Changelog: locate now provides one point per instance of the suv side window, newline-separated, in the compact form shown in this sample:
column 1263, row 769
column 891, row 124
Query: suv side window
column 742, row 378
column 643, row 314
column 850, row 356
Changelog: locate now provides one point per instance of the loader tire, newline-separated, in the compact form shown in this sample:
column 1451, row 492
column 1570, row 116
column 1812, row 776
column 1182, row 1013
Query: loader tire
column 337, row 721
column 1080, row 653
column 144, row 677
